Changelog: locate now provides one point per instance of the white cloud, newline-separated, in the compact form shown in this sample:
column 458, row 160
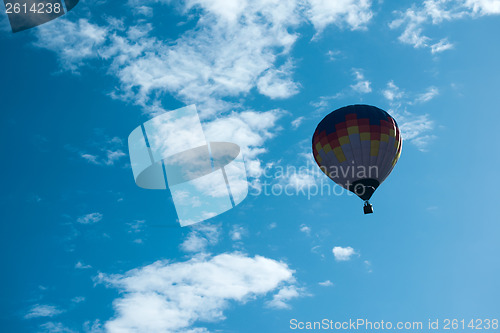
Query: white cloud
column 200, row 237
column 43, row 310
column 300, row 180
column 441, row 46
column 305, row 229
column 428, row 95
column 414, row 128
column 109, row 158
column 109, row 151
column 52, row 327
column 434, row 12
column 172, row 297
column 368, row 265
column 113, row 156
column 81, row 265
column 90, row 218
column 282, row 298
column 143, row 10
column 304, row 179
column 362, row 85
column 234, row 47
column 93, row 326
column 355, row 13
column 324, row 101
column 90, row 158
column 204, row 65
column 484, row 7
column 343, row 253
column 237, row 232
column 248, row 129
column 74, row 42
column 297, row 122
column 326, row 283
column 332, row 55
column 392, row 92
column 421, row 142
column 78, row 299
column 136, row 227
column 277, row 83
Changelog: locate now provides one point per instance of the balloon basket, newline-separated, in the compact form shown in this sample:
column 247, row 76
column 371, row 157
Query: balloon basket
column 367, row 208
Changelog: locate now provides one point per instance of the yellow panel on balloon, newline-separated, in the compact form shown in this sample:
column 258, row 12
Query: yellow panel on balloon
column 375, row 144
column 353, row 130
column 344, row 140
column 339, row 154
column 319, row 146
column 365, row 136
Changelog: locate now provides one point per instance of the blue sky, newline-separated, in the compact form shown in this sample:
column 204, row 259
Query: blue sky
column 86, row 250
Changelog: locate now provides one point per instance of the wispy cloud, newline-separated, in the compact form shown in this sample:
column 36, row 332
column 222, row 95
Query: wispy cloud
column 90, row 218
column 237, row 232
column 209, row 64
column 323, row 102
column 52, row 327
column 343, row 253
column 415, row 128
column 202, row 66
column 354, row 14
column 428, row 95
column 136, row 228
column 333, row 55
column 392, row 92
column 441, row 46
column 78, row 299
column 326, row 283
column 200, row 237
column 81, row 38
column 362, row 85
column 110, row 157
column 297, row 122
column 434, row 12
column 81, row 265
column 250, row 130
column 305, row 229
column 172, row 297
column 368, row 266
column 107, row 151
column 281, row 300
column 278, row 83
column 42, row 310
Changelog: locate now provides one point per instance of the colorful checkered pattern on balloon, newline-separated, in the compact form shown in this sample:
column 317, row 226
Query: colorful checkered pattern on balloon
column 357, row 134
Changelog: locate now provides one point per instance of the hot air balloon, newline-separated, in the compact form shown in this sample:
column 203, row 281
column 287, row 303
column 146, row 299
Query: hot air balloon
column 357, row 146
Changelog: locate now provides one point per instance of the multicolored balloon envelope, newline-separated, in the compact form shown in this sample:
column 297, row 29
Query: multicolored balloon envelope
column 357, row 146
